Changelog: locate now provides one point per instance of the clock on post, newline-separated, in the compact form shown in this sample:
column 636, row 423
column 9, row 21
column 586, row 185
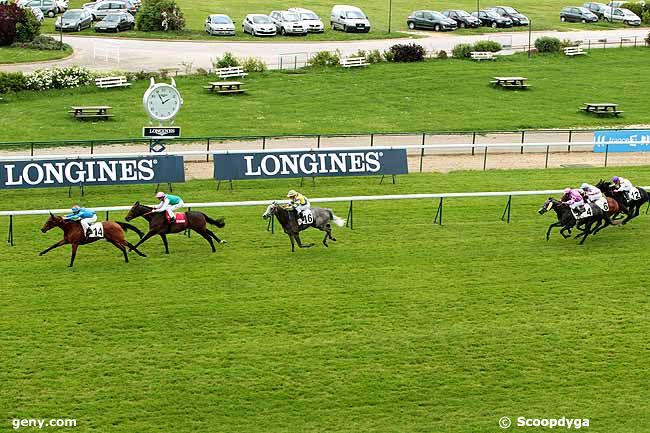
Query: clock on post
column 161, row 102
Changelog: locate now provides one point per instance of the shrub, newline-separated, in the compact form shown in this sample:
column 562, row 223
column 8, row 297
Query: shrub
column 44, row 43
column 253, row 64
column 637, row 8
column 160, row 15
column 388, row 55
column 568, row 43
column 28, row 27
column 58, row 78
column 407, row 53
column 227, row 61
column 374, row 56
column 10, row 15
column 547, row 44
column 647, row 40
column 12, row 82
column 442, row 54
column 491, row 46
column 646, row 17
column 462, row 51
column 324, row 58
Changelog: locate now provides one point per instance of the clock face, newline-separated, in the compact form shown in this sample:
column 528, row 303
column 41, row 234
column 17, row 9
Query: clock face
column 162, row 102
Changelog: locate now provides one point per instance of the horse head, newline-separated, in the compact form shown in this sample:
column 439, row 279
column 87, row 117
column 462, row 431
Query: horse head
column 52, row 221
column 134, row 212
column 547, row 206
column 270, row 210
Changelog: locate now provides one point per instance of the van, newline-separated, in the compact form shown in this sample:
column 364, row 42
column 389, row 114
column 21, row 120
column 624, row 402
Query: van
column 349, row 19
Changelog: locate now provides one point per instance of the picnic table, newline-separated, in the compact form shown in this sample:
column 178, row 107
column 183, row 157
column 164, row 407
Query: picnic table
column 601, row 108
column 223, row 87
column 91, row 112
column 511, row 82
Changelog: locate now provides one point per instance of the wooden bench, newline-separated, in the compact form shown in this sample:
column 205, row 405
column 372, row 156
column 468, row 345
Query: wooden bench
column 91, row 112
column 233, row 72
column 224, row 87
column 109, row 82
column 574, row 51
column 482, row 55
column 511, row 82
column 601, row 108
column 352, row 62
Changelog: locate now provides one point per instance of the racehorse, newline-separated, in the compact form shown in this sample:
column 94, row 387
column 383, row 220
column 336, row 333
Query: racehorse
column 631, row 208
column 566, row 220
column 73, row 234
column 287, row 219
column 158, row 224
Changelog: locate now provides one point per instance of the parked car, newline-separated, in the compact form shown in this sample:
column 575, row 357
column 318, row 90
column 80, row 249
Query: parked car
column 288, row 23
column 48, row 7
column 258, row 25
column 517, row 18
column 116, row 22
column 462, row 18
column 219, row 24
column 621, row 15
column 430, row 20
column 490, row 18
column 74, row 20
column 577, row 14
column 38, row 14
column 349, row 19
column 61, row 6
column 310, row 20
column 597, row 8
column 100, row 10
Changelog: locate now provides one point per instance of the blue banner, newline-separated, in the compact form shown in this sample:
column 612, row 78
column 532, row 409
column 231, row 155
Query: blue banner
column 97, row 171
column 317, row 163
column 622, row 141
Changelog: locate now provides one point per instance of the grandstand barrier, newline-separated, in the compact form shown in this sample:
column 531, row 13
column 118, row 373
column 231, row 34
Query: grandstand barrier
column 349, row 200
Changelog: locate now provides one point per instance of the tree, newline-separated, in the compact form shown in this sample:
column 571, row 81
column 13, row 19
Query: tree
column 28, row 27
column 160, row 15
column 10, row 16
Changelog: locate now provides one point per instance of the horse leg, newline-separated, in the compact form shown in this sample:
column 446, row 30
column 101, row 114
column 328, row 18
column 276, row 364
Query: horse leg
column 120, row 247
column 164, row 239
column 548, row 232
column 329, row 232
column 133, row 248
column 608, row 222
column 216, row 238
column 587, row 232
column 74, row 254
column 325, row 238
column 207, row 238
column 300, row 244
column 144, row 238
column 56, row 245
column 293, row 247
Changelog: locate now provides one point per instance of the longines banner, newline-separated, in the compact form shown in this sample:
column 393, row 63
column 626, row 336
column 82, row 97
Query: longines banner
column 101, row 171
column 269, row 165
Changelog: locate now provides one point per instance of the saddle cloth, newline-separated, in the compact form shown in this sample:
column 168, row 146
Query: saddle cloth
column 180, row 217
column 305, row 217
column 96, row 230
column 634, row 194
column 588, row 212
column 602, row 203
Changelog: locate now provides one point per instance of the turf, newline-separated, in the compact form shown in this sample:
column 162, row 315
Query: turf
column 544, row 16
column 401, row 326
column 24, row 55
column 438, row 95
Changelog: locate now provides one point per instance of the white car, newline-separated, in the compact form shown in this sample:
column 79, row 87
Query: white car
column 310, row 20
column 61, row 6
column 258, row 25
column 621, row 15
column 349, row 19
column 288, row 23
column 219, row 24
column 38, row 13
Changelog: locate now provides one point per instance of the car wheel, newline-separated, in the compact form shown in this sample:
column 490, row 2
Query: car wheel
column 132, row 26
column 412, row 25
column 253, row 33
column 436, row 28
column 78, row 28
column 282, row 31
column 462, row 25
column 51, row 14
column 584, row 21
column 494, row 25
column 562, row 19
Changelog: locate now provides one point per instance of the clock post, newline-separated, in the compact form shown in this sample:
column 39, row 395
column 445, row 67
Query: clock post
column 161, row 103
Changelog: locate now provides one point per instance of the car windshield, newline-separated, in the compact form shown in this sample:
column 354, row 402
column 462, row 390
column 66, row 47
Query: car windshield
column 291, row 17
column 463, row 14
column 492, row 14
column 628, row 13
column 354, row 14
column 437, row 15
column 510, row 10
column 584, row 10
column 309, row 16
column 261, row 20
column 72, row 15
column 221, row 20
column 112, row 18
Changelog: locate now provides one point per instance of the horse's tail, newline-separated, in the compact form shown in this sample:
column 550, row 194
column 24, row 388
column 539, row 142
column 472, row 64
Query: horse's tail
column 220, row 222
column 127, row 226
column 336, row 220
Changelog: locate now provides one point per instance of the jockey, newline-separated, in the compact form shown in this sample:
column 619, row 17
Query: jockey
column 168, row 203
column 574, row 199
column 593, row 194
column 298, row 201
column 86, row 217
column 623, row 185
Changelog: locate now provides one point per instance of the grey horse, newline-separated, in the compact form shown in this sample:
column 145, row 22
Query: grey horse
column 287, row 218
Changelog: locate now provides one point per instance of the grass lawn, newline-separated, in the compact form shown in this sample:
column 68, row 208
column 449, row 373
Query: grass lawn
column 23, row 55
column 401, row 326
column 426, row 96
column 544, row 15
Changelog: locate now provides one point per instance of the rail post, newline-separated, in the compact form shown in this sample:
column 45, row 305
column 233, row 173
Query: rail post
column 606, row 153
column 473, row 141
column 10, row 238
column 264, row 142
column 522, row 141
column 421, row 158
column 188, row 231
column 546, row 162
column 31, row 149
column 318, row 141
column 485, row 158
column 349, row 222
column 270, row 226
column 568, row 148
column 438, row 218
column 372, row 139
column 506, row 211
column 92, row 147
column 106, row 219
column 207, row 157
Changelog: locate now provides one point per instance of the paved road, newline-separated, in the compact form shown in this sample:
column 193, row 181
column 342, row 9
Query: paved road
column 136, row 54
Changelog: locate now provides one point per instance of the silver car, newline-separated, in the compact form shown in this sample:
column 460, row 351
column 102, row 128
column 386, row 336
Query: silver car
column 288, row 23
column 258, row 25
column 74, row 20
column 48, row 7
column 100, row 10
column 219, row 24
column 312, row 21
column 621, row 15
column 38, row 14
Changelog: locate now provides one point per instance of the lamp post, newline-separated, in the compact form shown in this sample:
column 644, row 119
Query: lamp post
column 390, row 13
column 61, row 31
column 478, row 7
column 530, row 33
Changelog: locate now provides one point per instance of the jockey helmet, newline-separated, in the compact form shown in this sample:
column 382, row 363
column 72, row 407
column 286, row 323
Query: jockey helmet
column 75, row 209
column 567, row 190
column 160, row 195
column 584, row 186
column 292, row 193
column 615, row 179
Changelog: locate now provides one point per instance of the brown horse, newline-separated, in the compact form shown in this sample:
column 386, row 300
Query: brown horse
column 73, row 235
column 158, row 225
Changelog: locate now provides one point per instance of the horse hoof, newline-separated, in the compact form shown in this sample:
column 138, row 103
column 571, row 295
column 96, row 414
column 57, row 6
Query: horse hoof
column 223, row 241
column 326, row 246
